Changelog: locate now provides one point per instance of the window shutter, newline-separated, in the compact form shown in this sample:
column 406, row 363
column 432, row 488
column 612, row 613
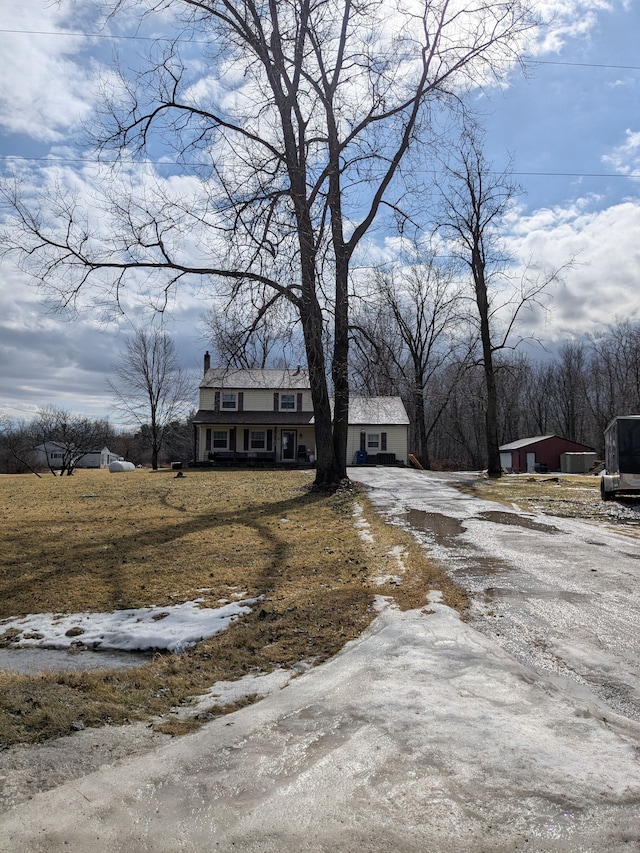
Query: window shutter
column 240, row 401
column 232, row 438
column 299, row 402
column 383, row 441
column 207, row 442
column 216, row 402
column 269, row 439
column 363, row 441
column 246, row 439
column 276, row 401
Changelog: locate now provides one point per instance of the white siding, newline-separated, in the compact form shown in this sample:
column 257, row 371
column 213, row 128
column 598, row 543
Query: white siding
column 207, row 398
column 254, row 400
column 397, row 440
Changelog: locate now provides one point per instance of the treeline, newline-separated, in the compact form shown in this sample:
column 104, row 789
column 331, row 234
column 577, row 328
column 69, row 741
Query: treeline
column 573, row 394
column 441, row 379
column 74, row 436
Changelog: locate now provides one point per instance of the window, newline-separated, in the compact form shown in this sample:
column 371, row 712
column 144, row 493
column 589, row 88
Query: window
column 373, row 441
column 258, row 441
column 287, row 402
column 229, row 401
column 220, row 439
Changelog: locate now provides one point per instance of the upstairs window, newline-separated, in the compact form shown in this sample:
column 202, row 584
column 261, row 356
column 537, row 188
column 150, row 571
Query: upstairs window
column 229, row 401
column 287, row 402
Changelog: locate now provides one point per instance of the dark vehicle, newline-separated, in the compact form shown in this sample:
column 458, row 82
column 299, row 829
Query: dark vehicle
column 622, row 458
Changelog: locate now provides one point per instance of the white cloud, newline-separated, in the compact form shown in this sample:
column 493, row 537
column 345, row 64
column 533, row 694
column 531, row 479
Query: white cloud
column 563, row 20
column 625, row 158
column 604, row 281
column 47, row 86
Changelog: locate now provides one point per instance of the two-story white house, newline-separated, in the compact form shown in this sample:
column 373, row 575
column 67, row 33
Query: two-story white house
column 254, row 415
column 264, row 417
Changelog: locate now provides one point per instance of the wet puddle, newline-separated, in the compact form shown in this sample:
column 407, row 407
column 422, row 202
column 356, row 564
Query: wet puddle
column 32, row 661
column 442, row 527
column 494, row 592
column 444, row 531
column 498, row 517
column 480, row 566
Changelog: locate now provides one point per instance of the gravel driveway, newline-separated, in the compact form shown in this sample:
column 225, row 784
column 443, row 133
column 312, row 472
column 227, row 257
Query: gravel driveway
column 561, row 595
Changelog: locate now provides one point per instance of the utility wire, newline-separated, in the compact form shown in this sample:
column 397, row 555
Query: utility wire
column 54, row 160
column 112, row 37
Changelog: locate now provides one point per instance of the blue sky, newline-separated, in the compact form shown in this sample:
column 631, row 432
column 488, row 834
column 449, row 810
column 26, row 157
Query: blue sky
column 572, row 124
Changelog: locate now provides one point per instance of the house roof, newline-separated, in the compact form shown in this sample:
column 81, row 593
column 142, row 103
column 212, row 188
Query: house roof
column 270, row 379
column 293, row 419
column 377, row 410
column 363, row 411
column 525, row 442
column 48, row 445
column 536, row 439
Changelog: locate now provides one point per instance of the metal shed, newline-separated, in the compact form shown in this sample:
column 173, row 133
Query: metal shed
column 540, row 453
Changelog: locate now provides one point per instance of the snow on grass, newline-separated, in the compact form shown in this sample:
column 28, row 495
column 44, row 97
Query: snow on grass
column 173, row 629
column 361, row 524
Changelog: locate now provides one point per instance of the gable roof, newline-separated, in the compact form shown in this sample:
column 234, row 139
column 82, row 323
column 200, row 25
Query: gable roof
column 536, row 439
column 270, row 379
column 525, row 442
column 363, row 411
column 377, row 410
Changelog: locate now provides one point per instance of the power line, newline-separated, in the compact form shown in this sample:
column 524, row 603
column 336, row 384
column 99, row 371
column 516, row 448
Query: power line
column 113, row 37
column 531, row 61
column 79, row 35
column 54, row 160
column 110, row 36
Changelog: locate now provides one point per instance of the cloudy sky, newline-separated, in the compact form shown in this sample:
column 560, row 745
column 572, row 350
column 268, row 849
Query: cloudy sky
column 571, row 123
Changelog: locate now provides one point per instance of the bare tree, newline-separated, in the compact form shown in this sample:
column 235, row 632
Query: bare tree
column 152, row 391
column 65, row 439
column 296, row 133
column 568, row 390
column 538, row 399
column 238, row 338
column 476, row 200
column 16, row 446
column 409, row 327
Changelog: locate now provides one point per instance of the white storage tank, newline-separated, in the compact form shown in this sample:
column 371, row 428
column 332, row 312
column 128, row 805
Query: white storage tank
column 119, row 465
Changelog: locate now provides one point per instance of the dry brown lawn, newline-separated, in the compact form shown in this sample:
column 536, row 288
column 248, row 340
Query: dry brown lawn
column 570, row 496
column 100, row 542
column 577, row 494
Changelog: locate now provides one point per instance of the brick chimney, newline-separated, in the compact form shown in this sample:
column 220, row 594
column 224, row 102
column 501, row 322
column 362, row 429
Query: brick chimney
column 207, row 361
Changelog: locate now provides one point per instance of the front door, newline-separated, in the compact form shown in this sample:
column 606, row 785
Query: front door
column 288, row 449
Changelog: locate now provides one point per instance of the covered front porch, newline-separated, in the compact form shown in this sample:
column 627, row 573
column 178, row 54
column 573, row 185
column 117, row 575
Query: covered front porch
column 257, row 445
